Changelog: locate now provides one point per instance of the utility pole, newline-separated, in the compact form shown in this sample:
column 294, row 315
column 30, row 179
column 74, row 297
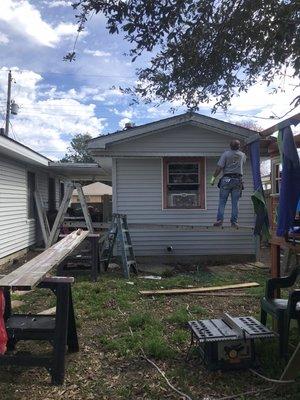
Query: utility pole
column 8, row 103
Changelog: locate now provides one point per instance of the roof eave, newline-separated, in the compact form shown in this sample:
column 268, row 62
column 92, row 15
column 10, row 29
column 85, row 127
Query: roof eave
column 192, row 118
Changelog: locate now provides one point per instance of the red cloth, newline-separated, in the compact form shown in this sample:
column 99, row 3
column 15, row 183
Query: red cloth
column 3, row 334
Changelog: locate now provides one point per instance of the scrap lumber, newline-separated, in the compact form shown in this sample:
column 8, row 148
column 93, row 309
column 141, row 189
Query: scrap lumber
column 199, row 289
column 49, row 311
column 34, row 271
column 225, row 294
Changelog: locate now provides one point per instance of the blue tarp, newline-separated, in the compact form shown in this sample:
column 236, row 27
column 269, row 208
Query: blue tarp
column 258, row 197
column 290, row 182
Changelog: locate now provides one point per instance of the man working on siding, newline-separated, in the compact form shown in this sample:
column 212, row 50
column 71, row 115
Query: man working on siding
column 231, row 164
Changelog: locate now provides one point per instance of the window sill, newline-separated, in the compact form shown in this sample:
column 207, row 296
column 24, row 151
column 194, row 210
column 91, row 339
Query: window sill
column 184, row 209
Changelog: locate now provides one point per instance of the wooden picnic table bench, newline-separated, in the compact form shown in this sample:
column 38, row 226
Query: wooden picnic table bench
column 58, row 329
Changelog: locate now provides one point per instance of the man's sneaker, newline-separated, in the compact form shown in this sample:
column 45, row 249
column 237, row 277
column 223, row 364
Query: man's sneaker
column 235, row 225
column 218, row 223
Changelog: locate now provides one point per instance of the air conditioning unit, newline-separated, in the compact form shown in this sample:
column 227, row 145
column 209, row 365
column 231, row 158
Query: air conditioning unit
column 184, row 200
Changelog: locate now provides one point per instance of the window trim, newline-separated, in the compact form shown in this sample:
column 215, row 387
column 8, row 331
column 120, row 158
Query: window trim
column 201, row 175
column 274, row 178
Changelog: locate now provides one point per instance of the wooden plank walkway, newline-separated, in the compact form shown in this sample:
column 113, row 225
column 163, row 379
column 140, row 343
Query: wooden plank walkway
column 32, row 273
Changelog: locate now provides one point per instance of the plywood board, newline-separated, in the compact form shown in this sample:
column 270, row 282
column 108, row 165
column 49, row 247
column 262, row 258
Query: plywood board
column 31, row 273
column 199, row 289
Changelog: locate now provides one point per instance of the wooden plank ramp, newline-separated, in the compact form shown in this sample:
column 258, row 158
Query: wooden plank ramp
column 199, row 289
column 32, row 273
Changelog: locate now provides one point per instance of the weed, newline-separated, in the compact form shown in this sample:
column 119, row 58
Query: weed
column 179, row 316
column 139, row 320
column 180, row 336
column 157, row 347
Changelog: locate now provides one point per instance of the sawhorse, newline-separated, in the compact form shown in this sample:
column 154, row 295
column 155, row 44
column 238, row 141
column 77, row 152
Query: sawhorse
column 91, row 260
column 58, row 329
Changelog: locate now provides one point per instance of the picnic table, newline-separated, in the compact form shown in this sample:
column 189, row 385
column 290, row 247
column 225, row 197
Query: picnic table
column 58, row 329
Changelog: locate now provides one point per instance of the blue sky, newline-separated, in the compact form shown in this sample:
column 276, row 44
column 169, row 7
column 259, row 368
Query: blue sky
column 59, row 99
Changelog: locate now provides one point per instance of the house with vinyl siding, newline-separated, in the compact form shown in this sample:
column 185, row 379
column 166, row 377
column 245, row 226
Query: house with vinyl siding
column 22, row 171
column 160, row 177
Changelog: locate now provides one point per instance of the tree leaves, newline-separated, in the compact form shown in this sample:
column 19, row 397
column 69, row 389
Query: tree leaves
column 204, row 49
column 77, row 151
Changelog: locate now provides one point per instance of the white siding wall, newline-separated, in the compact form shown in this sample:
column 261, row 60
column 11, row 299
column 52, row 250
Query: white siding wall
column 137, row 187
column 189, row 139
column 16, row 231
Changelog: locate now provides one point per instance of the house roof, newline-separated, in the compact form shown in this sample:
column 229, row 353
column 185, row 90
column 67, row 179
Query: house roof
column 73, row 171
column 192, row 118
column 19, row 151
column 95, row 189
column 80, row 171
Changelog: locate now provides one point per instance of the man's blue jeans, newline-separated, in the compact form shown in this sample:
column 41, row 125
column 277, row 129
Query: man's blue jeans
column 233, row 187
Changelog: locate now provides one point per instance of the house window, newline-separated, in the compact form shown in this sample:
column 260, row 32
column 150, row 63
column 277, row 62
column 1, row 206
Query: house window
column 277, row 171
column 51, row 194
column 184, row 183
column 30, row 195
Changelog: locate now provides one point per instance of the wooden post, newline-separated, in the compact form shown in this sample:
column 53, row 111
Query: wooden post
column 84, row 207
column 275, row 264
column 43, row 220
column 107, row 207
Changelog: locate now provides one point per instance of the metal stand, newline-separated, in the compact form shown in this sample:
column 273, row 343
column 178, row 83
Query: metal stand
column 59, row 330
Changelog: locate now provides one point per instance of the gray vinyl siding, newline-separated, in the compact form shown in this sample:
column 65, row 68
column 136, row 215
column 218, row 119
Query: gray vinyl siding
column 17, row 232
column 137, row 192
column 191, row 139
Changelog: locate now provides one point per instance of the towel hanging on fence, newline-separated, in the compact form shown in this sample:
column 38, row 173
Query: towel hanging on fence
column 3, row 334
column 290, row 182
column 258, row 197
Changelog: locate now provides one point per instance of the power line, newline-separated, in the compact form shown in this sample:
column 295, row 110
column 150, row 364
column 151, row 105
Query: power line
column 74, row 73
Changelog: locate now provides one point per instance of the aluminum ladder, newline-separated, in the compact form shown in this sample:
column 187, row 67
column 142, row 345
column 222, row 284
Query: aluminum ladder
column 119, row 233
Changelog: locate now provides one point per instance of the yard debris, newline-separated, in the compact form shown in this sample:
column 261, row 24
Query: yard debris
column 200, row 289
column 130, row 283
column 17, row 303
column 226, row 294
column 154, row 277
column 259, row 264
column 49, row 311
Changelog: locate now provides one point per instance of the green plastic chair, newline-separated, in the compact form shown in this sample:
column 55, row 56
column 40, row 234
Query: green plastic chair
column 283, row 310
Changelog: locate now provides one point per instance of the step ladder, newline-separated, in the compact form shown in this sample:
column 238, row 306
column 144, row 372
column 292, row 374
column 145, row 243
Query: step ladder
column 61, row 215
column 119, row 233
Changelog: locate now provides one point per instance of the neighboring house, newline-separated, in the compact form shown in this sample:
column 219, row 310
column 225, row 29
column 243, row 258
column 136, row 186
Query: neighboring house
column 160, row 175
column 22, row 171
column 93, row 193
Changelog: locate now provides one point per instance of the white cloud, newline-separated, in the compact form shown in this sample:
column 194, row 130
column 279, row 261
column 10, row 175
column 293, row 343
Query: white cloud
column 3, row 38
column 27, row 20
column 124, row 113
column 97, row 53
column 47, row 125
column 58, row 3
